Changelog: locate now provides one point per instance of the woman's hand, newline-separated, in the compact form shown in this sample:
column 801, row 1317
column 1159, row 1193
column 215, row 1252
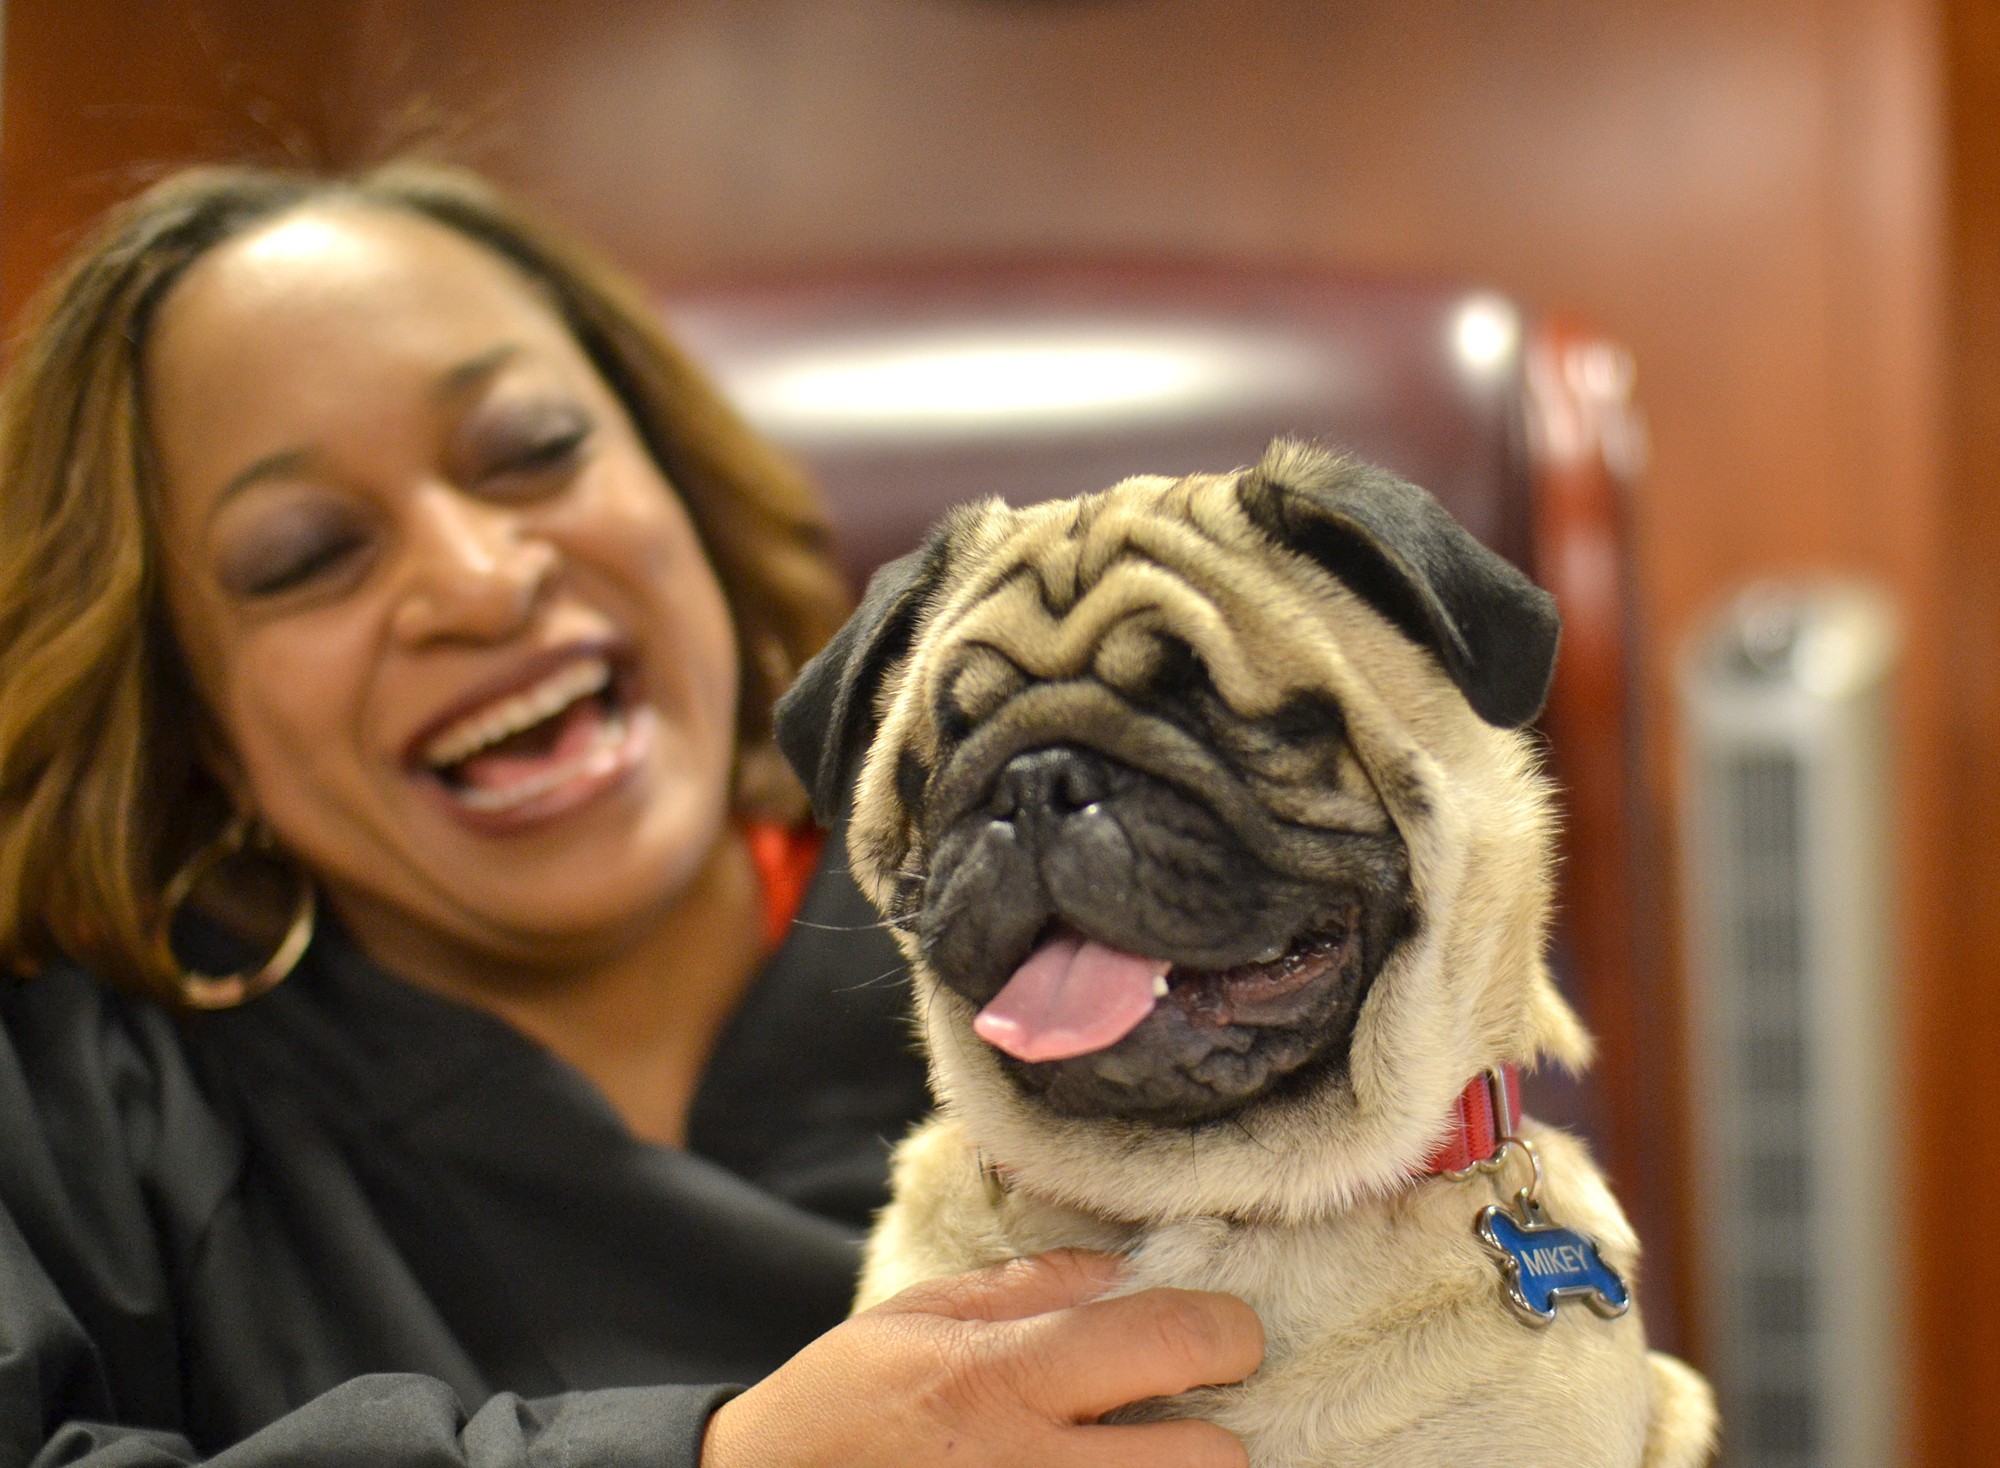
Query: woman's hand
column 1008, row 1365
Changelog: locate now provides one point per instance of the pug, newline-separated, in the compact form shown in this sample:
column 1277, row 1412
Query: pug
column 1203, row 811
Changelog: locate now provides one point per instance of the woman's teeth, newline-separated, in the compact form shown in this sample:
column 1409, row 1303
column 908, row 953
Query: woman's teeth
column 598, row 757
column 519, row 711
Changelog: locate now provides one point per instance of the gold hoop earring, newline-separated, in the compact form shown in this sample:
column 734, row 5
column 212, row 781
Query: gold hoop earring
column 225, row 991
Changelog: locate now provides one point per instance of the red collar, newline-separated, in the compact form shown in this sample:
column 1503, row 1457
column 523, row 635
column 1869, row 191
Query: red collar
column 1478, row 1124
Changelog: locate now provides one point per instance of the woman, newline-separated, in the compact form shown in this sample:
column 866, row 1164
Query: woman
column 389, row 622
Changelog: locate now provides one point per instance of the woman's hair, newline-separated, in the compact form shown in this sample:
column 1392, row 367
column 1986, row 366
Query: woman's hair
column 102, row 792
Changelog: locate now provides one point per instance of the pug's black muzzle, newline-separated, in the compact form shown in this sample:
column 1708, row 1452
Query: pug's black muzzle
column 1274, row 931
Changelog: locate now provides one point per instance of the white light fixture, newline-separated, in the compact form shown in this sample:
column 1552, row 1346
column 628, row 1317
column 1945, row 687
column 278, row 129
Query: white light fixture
column 959, row 384
column 1485, row 331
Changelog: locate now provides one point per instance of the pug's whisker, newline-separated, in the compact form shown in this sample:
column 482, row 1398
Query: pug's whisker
column 1251, row 1137
column 892, row 975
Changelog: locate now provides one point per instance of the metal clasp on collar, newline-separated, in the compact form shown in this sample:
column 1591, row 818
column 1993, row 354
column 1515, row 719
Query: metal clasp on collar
column 1508, row 1146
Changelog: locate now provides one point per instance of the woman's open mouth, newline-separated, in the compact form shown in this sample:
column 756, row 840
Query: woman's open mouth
column 544, row 746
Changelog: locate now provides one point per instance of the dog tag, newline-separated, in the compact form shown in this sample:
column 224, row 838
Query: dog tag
column 1542, row 1263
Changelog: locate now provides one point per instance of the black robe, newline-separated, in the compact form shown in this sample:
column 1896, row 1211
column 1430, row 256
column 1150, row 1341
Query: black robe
column 354, row 1222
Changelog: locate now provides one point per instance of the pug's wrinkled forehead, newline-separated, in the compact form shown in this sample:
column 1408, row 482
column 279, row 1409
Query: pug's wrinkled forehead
column 1154, row 589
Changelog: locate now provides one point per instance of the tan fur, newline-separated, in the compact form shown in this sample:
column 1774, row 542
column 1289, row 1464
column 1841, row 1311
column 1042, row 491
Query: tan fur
column 1389, row 1340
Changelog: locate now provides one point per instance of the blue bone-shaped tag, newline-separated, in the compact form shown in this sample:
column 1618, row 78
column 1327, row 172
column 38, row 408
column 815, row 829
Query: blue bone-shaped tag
column 1543, row 1264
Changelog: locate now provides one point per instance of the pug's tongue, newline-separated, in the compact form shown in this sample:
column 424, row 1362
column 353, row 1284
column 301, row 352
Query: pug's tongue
column 1073, row 996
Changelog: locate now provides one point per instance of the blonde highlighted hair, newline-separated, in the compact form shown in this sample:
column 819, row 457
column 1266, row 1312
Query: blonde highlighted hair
column 102, row 792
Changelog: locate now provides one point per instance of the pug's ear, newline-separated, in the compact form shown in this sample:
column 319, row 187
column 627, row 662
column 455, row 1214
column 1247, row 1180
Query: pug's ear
column 1493, row 631
column 826, row 718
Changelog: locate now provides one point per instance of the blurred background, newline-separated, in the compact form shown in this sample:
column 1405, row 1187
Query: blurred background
column 1674, row 303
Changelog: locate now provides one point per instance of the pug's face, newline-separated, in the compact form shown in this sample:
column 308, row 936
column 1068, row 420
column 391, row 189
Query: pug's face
column 1194, row 804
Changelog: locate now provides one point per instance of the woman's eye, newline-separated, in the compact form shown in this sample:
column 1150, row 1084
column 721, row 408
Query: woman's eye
column 557, row 449
column 289, row 561
column 531, row 455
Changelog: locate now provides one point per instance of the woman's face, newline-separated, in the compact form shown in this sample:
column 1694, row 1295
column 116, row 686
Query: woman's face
column 464, row 652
